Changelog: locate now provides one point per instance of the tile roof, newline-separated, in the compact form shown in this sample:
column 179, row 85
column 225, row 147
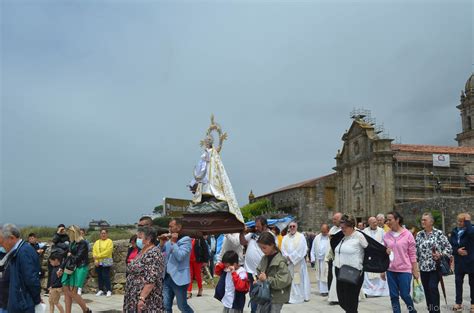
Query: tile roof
column 304, row 184
column 433, row 149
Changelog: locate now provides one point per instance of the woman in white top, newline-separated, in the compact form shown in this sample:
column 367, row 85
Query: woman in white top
column 350, row 251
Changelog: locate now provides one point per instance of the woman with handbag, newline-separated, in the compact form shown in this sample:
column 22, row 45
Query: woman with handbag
column 431, row 246
column 74, row 269
column 102, row 253
column 273, row 269
column 348, row 259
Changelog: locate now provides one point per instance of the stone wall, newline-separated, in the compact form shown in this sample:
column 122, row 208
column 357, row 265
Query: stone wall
column 412, row 211
column 117, row 272
column 312, row 204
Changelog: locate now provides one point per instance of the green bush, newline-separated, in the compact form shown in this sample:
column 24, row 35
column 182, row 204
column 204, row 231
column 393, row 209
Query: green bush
column 162, row 221
column 438, row 220
column 114, row 234
column 257, row 208
column 44, row 233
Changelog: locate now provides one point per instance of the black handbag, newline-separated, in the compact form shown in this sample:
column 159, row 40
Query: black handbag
column 260, row 293
column 348, row 274
column 69, row 266
column 444, row 266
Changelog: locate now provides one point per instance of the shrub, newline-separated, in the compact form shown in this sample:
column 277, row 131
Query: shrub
column 114, row 234
column 257, row 208
column 44, row 233
column 162, row 221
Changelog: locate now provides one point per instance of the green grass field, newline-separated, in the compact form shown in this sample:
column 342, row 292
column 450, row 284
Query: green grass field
column 45, row 234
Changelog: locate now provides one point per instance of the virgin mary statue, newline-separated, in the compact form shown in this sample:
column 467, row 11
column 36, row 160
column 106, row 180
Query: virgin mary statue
column 210, row 185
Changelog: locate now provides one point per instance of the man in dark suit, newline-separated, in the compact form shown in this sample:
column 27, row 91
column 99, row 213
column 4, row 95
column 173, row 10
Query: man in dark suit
column 462, row 241
column 24, row 293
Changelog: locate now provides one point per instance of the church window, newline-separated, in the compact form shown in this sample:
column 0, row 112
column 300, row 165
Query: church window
column 356, row 148
column 357, row 173
column 469, row 123
column 358, row 203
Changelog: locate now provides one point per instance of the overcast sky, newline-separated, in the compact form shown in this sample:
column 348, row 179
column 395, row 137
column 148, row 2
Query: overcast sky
column 104, row 102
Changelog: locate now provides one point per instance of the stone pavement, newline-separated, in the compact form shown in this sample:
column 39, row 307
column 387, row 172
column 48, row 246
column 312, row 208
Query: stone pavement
column 317, row 303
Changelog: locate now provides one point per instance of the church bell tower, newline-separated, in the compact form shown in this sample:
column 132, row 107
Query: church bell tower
column 466, row 137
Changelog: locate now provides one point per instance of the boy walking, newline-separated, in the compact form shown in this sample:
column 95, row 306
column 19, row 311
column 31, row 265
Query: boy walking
column 233, row 283
column 55, row 284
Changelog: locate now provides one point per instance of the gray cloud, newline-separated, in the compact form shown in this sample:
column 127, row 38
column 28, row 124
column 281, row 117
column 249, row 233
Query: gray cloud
column 104, row 103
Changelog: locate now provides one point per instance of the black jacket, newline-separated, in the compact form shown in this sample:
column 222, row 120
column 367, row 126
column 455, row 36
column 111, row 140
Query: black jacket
column 79, row 254
column 54, row 280
column 376, row 259
column 201, row 250
column 60, row 244
column 463, row 264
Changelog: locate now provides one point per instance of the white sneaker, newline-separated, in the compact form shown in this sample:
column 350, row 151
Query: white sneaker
column 79, row 291
column 109, row 294
column 99, row 293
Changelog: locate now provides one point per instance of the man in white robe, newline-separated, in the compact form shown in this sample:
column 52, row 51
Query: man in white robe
column 374, row 285
column 336, row 220
column 319, row 250
column 295, row 248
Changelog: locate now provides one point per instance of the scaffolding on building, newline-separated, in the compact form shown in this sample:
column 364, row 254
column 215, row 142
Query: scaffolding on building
column 417, row 179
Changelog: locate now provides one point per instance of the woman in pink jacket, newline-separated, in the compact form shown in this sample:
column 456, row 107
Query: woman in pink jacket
column 402, row 251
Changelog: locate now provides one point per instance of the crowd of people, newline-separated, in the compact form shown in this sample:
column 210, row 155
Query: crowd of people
column 162, row 266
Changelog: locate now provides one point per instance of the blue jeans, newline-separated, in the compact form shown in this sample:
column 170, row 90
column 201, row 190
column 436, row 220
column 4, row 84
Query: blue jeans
column 399, row 286
column 3, row 311
column 170, row 289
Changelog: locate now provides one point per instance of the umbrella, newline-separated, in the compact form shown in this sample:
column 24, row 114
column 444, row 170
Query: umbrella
column 443, row 287
column 281, row 223
column 438, row 269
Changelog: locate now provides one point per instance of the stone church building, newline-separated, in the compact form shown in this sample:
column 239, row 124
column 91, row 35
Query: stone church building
column 373, row 175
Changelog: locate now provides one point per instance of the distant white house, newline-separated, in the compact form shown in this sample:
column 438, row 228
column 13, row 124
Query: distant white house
column 98, row 224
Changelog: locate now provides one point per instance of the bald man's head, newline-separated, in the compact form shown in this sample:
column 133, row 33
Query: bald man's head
column 336, row 218
column 372, row 223
column 324, row 229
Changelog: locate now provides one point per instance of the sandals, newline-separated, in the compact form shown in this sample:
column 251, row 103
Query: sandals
column 199, row 293
column 457, row 308
column 190, row 295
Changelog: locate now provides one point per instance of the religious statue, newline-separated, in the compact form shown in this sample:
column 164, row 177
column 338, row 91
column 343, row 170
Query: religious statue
column 213, row 196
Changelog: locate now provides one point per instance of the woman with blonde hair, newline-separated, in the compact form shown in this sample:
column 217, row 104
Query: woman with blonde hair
column 74, row 269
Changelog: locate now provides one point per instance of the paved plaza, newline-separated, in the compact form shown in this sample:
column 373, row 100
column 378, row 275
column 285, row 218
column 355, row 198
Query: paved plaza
column 317, row 303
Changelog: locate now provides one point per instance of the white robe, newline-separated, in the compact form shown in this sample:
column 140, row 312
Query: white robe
column 374, row 285
column 232, row 243
column 330, row 256
column 319, row 250
column 295, row 248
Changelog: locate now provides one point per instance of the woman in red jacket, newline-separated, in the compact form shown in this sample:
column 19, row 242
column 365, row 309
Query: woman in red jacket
column 195, row 271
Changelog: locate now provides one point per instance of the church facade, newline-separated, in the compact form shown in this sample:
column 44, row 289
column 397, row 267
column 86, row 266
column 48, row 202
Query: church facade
column 373, row 175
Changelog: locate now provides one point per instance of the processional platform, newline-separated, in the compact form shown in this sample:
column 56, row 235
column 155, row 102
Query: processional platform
column 200, row 224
